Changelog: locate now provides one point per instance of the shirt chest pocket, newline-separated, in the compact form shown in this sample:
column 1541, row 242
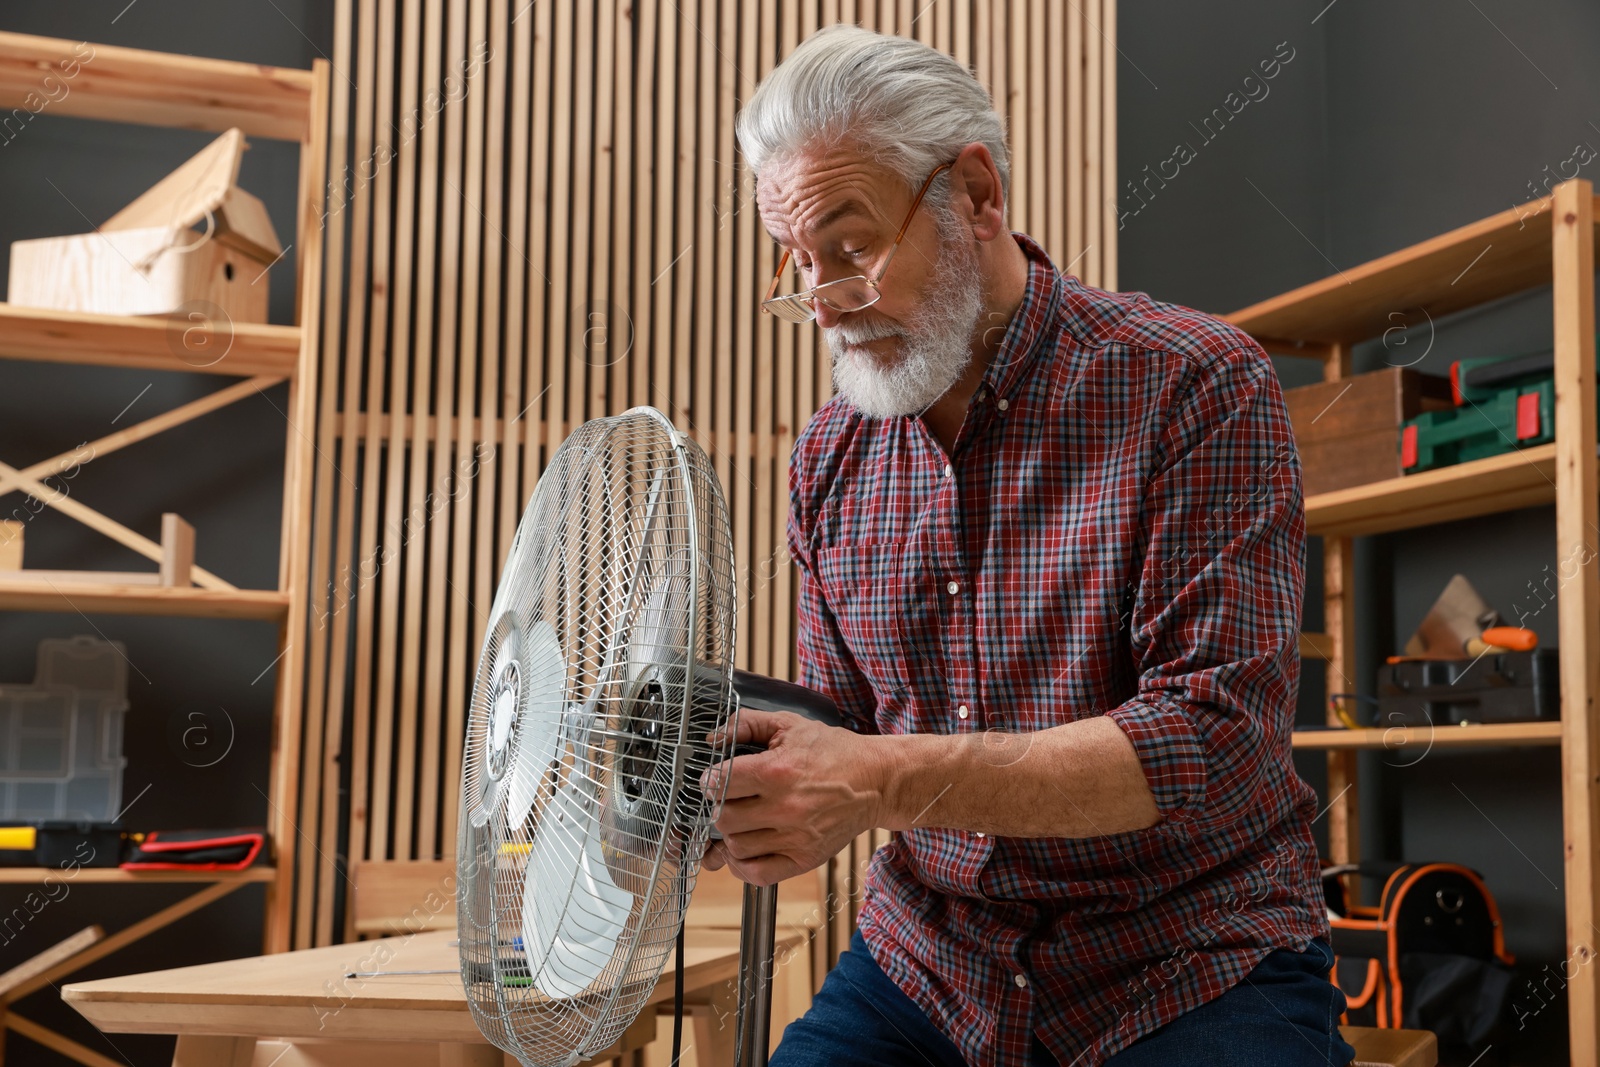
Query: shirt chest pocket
column 864, row 591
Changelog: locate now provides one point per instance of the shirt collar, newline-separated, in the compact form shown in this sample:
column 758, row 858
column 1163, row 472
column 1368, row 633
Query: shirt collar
column 1020, row 347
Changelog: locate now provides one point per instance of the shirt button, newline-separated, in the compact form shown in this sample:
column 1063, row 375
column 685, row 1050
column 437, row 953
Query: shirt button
column 948, row 470
column 961, row 712
column 1022, row 983
column 953, row 588
column 977, row 835
column 1002, row 405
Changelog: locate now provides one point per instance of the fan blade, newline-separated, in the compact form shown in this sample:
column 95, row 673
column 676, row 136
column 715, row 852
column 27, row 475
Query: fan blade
column 660, row 633
column 539, row 733
column 572, row 911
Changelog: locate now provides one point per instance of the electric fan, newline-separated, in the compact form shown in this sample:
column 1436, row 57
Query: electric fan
column 606, row 669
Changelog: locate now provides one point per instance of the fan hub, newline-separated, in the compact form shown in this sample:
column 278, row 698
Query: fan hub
column 504, row 720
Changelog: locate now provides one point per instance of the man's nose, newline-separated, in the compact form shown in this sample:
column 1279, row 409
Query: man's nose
column 827, row 317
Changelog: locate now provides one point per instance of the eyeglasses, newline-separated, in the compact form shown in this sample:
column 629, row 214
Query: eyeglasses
column 845, row 294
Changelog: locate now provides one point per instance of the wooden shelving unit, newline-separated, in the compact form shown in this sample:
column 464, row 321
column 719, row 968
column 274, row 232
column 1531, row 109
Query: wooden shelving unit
column 108, row 875
column 1414, row 739
column 159, row 89
column 1550, row 241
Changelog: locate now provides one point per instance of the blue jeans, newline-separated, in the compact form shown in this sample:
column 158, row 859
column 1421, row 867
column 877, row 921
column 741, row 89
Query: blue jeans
column 1284, row 1013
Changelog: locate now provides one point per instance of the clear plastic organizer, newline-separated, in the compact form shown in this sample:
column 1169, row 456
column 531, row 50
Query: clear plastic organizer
column 61, row 737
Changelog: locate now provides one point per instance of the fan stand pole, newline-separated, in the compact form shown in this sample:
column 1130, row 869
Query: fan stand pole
column 757, row 934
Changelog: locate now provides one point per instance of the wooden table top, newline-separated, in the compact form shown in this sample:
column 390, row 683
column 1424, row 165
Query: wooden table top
column 305, row 994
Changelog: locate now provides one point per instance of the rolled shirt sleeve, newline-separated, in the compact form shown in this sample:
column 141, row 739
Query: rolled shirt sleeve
column 1215, row 621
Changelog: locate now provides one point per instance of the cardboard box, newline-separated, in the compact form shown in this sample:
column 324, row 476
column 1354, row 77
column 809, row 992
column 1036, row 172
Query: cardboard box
column 1348, row 432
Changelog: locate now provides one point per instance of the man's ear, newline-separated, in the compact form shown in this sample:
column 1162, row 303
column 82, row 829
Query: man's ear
column 977, row 194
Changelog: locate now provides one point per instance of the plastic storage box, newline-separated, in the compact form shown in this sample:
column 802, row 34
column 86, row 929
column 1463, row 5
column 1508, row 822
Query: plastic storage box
column 61, row 737
column 1497, row 687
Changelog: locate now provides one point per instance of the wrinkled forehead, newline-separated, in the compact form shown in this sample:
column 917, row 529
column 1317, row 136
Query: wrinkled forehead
column 802, row 196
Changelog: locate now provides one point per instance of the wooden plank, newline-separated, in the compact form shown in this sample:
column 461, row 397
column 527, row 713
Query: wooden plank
column 396, row 897
column 195, row 1050
column 1076, row 123
column 682, row 277
column 620, row 336
column 1577, row 517
column 701, row 421
column 320, row 583
column 561, row 275
column 665, row 251
column 1093, row 147
column 143, row 431
column 1107, row 206
column 457, row 408
column 1316, row 646
column 108, row 875
column 36, row 965
column 368, row 826
column 304, row 994
column 601, row 333
column 154, row 88
column 11, row 539
column 177, row 551
column 645, row 165
column 394, row 772
column 346, row 581
column 1516, row 479
column 12, row 480
column 961, row 46
column 1060, row 126
column 146, row 342
column 1339, row 620
column 1493, row 257
column 54, row 1041
column 1017, row 114
column 475, row 356
column 91, row 598
column 430, row 461
column 126, row 936
column 1036, row 107
column 983, row 51
column 731, row 302
column 389, row 306
column 1392, row 1048
column 1410, row 742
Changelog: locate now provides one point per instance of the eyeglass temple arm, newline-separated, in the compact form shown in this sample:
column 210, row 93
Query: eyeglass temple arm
column 907, row 224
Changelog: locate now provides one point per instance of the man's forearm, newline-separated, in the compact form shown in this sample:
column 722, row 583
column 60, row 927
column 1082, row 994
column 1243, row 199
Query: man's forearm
column 1081, row 779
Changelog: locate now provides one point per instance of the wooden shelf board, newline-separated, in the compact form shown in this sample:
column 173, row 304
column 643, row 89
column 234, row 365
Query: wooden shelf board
column 116, row 875
column 112, row 599
column 1419, row 738
column 151, row 342
column 1492, row 258
column 1500, row 483
column 151, row 88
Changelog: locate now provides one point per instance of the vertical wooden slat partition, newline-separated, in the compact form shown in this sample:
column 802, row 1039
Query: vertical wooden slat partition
column 539, row 217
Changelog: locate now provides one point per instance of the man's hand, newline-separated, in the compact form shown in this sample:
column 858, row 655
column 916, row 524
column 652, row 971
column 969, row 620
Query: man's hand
column 788, row 809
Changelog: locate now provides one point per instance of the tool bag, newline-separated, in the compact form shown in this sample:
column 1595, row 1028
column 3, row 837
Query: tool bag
column 1430, row 956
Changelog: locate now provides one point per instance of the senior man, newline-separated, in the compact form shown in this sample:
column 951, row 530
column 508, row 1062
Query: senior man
column 1050, row 542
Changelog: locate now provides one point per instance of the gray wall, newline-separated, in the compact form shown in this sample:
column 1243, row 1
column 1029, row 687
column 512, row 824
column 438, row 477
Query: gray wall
column 222, row 473
column 1393, row 123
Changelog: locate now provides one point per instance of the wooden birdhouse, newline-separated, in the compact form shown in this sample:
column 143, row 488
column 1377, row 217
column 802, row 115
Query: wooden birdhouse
column 194, row 236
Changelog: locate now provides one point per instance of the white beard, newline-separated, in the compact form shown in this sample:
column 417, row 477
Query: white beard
column 935, row 341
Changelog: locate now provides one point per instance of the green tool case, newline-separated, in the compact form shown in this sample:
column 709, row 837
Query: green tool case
column 1501, row 403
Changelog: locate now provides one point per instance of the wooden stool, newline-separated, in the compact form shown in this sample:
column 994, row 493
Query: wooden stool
column 1392, row 1048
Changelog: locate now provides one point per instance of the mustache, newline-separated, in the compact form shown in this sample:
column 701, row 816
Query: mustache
column 860, row 333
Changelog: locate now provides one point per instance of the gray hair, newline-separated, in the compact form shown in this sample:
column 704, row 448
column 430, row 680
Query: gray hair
column 909, row 106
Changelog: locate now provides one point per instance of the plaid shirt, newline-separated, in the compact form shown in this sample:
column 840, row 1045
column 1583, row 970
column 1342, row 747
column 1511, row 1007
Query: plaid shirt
column 1119, row 531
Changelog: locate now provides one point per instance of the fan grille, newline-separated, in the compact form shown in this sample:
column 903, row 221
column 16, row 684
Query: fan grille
column 607, row 663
